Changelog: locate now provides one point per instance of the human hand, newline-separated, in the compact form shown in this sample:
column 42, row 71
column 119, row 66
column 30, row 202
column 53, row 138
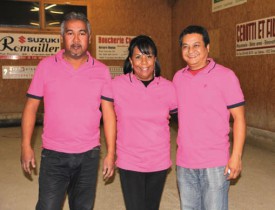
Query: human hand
column 108, row 167
column 234, row 167
column 27, row 159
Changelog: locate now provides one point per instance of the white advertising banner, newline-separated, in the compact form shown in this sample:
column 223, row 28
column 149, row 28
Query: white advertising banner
column 27, row 72
column 223, row 4
column 17, row 72
column 28, row 46
column 112, row 47
column 256, row 37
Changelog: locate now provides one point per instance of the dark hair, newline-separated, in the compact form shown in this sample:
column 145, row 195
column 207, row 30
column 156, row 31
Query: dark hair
column 146, row 46
column 75, row 16
column 193, row 29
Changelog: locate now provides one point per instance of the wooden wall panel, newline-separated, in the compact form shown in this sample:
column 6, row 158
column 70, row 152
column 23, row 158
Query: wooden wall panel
column 256, row 73
column 133, row 17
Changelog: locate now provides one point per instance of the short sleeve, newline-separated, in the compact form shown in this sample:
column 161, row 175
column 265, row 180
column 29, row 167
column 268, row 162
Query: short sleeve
column 36, row 89
column 107, row 92
column 232, row 91
column 173, row 100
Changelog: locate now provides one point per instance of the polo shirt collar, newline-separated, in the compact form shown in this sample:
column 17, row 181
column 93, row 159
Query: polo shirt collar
column 206, row 70
column 133, row 79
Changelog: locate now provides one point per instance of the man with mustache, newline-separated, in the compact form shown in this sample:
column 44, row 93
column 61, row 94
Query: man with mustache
column 70, row 83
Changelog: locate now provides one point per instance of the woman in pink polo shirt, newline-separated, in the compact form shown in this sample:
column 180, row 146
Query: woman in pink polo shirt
column 143, row 101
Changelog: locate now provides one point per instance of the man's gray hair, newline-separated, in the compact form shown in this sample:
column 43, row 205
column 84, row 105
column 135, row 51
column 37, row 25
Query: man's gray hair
column 75, row 16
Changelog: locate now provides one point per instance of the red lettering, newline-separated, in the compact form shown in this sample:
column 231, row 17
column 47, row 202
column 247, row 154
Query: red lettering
column 261, row 29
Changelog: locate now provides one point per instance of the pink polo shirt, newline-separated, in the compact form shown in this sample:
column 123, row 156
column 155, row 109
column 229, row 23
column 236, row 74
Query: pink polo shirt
column 71, row 102
column 204, row 101
column 143, row 133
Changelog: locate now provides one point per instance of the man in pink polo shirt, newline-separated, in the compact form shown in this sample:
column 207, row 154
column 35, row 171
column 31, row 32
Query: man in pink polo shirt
column 70, row 83
column 207, row 94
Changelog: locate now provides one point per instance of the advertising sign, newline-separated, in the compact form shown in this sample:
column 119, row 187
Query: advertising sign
column 112, row 47
column 17, row 72
column 223, row 4
column 256, row 37
column 28, row 46
column 116, row 70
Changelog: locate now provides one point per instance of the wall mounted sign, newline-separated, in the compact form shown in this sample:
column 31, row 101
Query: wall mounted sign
column 27, row 72
column 17, row 72
column 116, row 70
column 28, row 46
column 256, row 37
column 223, row 4
column 112, row 47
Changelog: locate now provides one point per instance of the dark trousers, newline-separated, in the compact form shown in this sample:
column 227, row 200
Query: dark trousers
column 142, row 191
column 61, row 173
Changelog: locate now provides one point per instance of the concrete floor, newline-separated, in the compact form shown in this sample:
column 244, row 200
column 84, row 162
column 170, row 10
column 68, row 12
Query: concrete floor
column 255, row 190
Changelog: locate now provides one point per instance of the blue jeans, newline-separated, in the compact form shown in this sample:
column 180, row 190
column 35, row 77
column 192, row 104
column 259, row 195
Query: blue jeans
column 203, row 189
column 61, row 173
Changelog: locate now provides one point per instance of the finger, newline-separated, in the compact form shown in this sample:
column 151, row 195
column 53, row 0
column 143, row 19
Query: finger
column 229, row 173
column 230, row 176
column 109, row 173
column 33, row 163
column 29, row 167
column 236, row 174
column 226, row 170
column 26, row 166
column 112, row 172
column 233, row 174
column 104, row 171
column 106, row 174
